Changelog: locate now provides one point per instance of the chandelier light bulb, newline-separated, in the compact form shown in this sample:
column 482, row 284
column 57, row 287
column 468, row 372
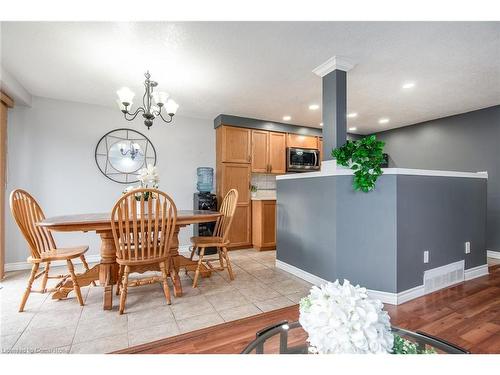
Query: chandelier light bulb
column 125, row 95
column 171, row 107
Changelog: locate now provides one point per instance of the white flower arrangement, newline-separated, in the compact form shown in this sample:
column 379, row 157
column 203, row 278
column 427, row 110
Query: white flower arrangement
column 341, row 318
column 148, row 177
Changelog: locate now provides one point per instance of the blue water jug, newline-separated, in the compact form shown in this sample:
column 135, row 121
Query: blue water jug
column 205, row 179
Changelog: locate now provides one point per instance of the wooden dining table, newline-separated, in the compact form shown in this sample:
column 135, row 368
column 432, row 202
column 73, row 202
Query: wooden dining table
column 106, row 272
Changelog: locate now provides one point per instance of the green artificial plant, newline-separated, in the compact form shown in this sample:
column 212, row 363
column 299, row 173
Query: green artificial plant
column 364, row 157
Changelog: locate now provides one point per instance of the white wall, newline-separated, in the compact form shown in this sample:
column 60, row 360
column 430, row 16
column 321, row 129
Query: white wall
column 51, row 155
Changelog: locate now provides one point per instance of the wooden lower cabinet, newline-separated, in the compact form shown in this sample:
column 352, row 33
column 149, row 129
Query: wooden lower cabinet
column 264, row 224
column 240, row 232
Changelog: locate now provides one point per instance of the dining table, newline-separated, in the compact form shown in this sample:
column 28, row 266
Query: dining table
column 106, row 271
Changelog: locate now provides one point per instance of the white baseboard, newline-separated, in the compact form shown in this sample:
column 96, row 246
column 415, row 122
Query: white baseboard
column 385, row 297
column 18, row 266
column 474, row 272
column 493, row 254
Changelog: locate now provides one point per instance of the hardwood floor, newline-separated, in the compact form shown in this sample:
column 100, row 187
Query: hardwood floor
column 467, row 314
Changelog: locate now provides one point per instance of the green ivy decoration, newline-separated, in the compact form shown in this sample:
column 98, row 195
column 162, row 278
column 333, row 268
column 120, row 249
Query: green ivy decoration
column 364, row 157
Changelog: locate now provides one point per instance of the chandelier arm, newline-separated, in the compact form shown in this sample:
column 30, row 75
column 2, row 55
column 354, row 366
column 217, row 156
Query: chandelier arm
column 133, row 115
column 163, row 118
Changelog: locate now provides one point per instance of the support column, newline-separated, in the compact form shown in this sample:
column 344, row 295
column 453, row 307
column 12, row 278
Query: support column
column 334, row 103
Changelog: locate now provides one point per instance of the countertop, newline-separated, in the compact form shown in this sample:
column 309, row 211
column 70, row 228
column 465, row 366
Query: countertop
column 329, row 168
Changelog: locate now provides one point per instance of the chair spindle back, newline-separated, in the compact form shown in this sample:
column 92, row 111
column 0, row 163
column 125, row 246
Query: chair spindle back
column 227, row 208
column 143, row 229
column 27, row 212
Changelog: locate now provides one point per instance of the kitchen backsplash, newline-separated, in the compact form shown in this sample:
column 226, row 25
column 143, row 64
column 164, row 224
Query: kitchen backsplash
column 264, row 181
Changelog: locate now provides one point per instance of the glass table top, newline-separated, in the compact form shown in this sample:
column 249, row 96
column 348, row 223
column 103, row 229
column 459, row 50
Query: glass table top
column 290, row 338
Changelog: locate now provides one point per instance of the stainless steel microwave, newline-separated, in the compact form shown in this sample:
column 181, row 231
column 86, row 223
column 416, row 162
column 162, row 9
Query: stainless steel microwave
column 302, row 159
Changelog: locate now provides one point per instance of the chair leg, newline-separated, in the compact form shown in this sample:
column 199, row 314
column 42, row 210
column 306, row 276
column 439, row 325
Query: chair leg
column 119, row 281
column 45, row 277
column 221, row 261
column 193, row 249
column 163, row 267
column 34, row 270
column 124, row 289
column 197, row 273
column 86, row 265
column 76, row 287
column 228, row 263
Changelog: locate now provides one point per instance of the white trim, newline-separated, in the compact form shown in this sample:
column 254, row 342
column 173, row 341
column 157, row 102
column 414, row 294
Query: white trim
column 309, row 277
column 392, row 171
column 333, row 63
column 18, row 266
column 493, row 254
column 475, row 272
column 385, row 297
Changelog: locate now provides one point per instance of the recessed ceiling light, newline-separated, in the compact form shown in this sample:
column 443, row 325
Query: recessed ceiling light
column 408, row 85
column 353, row 128
column 313, row 107
column 352, row 115
column 383, row 121
column 287, row 118
column 320, row 124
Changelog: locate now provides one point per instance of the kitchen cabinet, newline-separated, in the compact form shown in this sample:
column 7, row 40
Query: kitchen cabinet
column 268, row 152
column 234, row 144
column 264, row 224
column 236, row 176
column 302, row 141
column 260, row 151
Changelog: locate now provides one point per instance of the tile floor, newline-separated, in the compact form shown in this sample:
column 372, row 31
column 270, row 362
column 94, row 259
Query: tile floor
column 50, row 326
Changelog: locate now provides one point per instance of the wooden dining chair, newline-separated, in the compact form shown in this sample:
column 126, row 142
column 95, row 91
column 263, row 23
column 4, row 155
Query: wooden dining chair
column 143, row 231
column 219, row 240
column 27, row 212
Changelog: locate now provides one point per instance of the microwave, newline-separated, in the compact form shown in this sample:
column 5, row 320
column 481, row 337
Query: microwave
column 302, row 159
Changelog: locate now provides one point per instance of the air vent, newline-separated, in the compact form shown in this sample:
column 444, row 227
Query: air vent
column 441, row 277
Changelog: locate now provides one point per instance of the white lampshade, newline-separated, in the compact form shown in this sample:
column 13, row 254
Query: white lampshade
column 125, row 95
column 154, row 110
column 122, row 107
column 160, row 97
column 171, row 107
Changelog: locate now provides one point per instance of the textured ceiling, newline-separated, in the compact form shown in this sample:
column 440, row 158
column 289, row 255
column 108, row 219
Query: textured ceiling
column 263, row 70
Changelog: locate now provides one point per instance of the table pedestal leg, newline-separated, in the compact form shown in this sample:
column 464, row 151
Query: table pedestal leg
column 108, row 270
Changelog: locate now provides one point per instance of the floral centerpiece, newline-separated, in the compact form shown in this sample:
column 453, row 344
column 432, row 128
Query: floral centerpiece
column 148, row 178
column 342, row 318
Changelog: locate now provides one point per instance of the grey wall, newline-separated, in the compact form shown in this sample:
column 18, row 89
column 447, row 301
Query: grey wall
column 378, row 239
column 51, row 154
column 438, row 214
column 465, row 142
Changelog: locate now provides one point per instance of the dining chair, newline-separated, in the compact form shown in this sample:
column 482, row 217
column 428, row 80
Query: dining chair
column 27, row 212
column 143, row 229
column 219, row 240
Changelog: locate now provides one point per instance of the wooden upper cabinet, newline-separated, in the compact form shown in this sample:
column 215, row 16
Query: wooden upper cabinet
column 268, row 152
column 302, row 141
column 277, row 152
column 260, row 151
column 235, row 145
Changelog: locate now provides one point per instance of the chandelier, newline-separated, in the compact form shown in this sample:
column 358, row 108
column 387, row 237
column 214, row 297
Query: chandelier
column 149, row 111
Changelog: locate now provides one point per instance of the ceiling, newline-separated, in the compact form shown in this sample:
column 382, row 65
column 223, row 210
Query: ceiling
column 264, row 70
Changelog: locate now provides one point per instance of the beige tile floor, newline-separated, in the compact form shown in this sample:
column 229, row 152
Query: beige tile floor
column 65, row 327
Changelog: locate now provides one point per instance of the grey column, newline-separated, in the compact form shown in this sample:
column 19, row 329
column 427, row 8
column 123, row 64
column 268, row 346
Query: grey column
column 334, row 111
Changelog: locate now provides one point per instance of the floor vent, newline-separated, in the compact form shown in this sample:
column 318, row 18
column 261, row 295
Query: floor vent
column 441, row 277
